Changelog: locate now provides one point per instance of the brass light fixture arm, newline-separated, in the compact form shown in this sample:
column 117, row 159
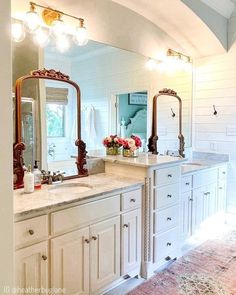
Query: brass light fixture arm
column 33, row 4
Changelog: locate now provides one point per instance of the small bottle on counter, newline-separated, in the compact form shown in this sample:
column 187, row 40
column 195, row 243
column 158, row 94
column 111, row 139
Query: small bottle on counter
column 37, row 176
column 29, row 181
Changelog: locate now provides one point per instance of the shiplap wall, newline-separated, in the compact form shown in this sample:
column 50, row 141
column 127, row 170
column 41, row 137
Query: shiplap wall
column 215, row 84
column 116, row 71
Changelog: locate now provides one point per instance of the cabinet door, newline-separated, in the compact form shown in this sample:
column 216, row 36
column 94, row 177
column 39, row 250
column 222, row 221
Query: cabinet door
column 130, row 241
column 186, row 214
column 197, row 208
column 105, row 253
column 212, row 199
column 70, row 262
column 221, row 198
column 31, row 267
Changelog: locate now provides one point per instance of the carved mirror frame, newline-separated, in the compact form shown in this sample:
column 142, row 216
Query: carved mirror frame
column 19, row 146
column 152, row 143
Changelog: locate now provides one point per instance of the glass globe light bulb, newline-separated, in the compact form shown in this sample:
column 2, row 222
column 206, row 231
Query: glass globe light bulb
column 62, row 43
column 18, row 32
column 81, row 36
column 58, row 27
column 41, row 37
column 151, row 64
column 32, row 21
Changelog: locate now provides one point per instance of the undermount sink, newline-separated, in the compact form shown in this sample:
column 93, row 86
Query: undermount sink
column 70, row 188
column 192, row 164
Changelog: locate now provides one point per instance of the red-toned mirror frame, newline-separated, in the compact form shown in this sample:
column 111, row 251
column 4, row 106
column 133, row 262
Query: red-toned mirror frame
column 152, row 143
column 19, row 146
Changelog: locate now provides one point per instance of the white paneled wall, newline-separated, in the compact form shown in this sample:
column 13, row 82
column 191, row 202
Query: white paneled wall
column 215, row 84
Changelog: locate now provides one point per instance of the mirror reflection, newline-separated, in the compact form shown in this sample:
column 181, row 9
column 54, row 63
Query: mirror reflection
column 116, row 97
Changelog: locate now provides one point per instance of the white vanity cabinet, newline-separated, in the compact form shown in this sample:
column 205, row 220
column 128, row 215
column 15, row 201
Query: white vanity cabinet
column 203, row 195
column 31, row 266
column 160, row 206
column 166, row 214
column 84, row 249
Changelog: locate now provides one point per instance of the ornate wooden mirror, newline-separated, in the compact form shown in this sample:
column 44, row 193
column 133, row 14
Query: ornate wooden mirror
column 19, row 145
column 152, row 144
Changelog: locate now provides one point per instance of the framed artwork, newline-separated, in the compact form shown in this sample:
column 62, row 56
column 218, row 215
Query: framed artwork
column 138, row 98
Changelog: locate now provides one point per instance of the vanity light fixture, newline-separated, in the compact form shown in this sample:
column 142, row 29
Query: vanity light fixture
column 17, row 32
column 49, row 26
column 177, row 60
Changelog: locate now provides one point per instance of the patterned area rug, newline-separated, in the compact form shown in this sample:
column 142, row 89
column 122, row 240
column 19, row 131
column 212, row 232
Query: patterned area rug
column 210, row 269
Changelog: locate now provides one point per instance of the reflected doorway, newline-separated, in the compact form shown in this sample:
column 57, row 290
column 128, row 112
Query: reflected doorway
column 131, row 115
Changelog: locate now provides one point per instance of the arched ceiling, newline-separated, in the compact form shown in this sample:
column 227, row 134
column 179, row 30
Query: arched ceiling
column 200, row 27
column 196, row 27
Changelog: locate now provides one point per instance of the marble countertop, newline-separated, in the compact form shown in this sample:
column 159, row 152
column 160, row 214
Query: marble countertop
column 197, row 164
column 144, row 160
column 52, row 197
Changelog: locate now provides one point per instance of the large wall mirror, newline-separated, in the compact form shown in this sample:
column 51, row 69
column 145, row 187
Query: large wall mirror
column 116, row 98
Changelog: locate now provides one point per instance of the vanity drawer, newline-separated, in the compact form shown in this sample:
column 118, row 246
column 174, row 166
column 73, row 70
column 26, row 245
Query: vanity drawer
column 167, row 176
column 204, row 177
column 31, row 230
column 165, row 219
column 186, row 183
column 166, row 196
column 166, row 245
column 131, row 199
column 222, row 172
column 81, row 215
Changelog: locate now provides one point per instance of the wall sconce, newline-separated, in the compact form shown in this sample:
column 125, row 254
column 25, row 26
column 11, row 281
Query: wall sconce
column 50, row 24
column 178, row 60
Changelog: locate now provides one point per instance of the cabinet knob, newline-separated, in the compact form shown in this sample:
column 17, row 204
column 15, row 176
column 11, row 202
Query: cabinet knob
column 169, row 218
column 44, row 257
column 191, row 199
column 223, row 172
column 94, row 238
column 187, row 183
column 168, row 244
column 31, row 232
column 133, row 200
column 168, row 258
column 205, row 194
column 125, row 225
column 220, row 187
column 169, row 175
column 86, row 241
column 169, row 196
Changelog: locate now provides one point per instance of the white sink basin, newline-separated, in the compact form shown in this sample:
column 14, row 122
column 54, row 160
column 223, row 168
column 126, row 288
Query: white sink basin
column 70, row 188
column 192, row 164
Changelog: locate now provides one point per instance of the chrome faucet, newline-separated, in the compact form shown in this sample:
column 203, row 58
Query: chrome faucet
column 49, row 178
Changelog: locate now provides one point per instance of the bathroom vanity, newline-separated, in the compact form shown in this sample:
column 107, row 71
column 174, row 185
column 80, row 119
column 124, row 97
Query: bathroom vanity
column 82, row 236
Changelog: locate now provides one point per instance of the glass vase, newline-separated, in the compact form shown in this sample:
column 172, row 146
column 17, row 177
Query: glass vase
column 130, row 154
column 112, row 151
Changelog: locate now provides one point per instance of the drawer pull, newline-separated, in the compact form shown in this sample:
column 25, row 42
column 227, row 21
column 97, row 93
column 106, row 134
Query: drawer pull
column 125, row 225
column 31, row 232
column 168, row 258
column 169, row 196
column 94, row 238
column 187, row 183
column 86, row 241
column 44, row 257
column 169, row 175
column 133, row 200
column 223, row 172
column 220, row 187
column 191, row 199
column 169, row 218
column 168, row 244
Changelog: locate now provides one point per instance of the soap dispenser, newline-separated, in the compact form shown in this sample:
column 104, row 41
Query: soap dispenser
column 29, row 181
column 37, row 176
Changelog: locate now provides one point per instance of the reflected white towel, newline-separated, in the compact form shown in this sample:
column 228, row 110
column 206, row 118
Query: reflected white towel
column 90, row 124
